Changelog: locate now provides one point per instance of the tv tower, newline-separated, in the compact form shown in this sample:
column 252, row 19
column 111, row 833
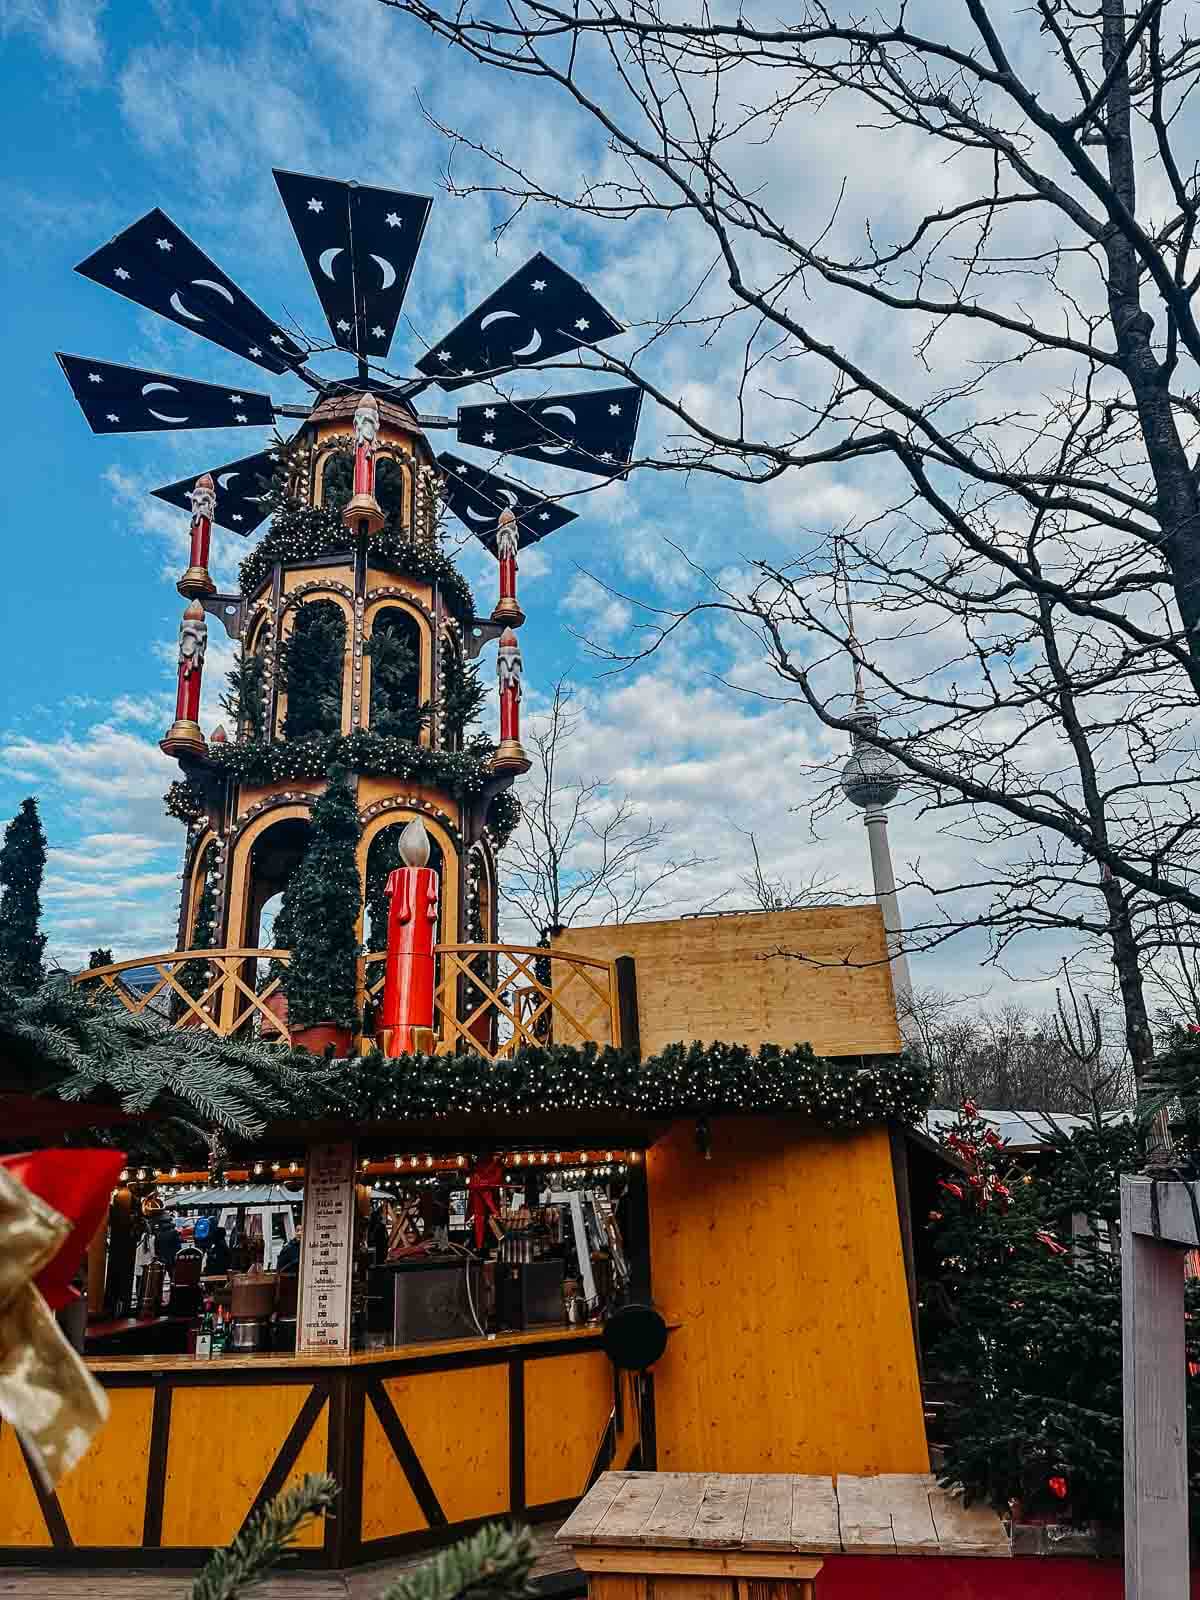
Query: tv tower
column 871, row 781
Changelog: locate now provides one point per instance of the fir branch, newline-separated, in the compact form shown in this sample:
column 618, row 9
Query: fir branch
column 493, row 1564
column 259, row 1546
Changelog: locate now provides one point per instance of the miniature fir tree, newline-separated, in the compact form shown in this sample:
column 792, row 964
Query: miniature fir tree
column 321, row 981
column 395, row 681
column 22, row 863
column 243, row 697
column 463, row 695
column 311, row 663
column 195, row 976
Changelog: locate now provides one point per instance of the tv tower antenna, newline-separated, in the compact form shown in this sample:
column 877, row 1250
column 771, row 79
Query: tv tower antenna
column 871, row 780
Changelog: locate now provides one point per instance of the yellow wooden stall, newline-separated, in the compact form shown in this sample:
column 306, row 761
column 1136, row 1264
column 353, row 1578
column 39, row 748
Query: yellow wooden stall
column 780, row 1259
column 426, row 1442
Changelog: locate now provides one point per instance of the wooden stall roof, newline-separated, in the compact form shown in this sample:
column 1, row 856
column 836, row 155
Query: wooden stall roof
column 723, row 978
column 891, row 1514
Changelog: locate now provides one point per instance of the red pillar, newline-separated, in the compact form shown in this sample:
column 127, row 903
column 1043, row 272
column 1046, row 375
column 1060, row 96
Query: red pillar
column 511, row 756
column 363, row 513
column 204, row 507
column 184, row 736
column 412, row 934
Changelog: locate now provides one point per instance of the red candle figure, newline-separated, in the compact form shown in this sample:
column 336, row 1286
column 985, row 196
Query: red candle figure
column 204, row 508
column 507, row 543
column 511, row 756
column 363, row 513
column 412, row 933
column 184, row 736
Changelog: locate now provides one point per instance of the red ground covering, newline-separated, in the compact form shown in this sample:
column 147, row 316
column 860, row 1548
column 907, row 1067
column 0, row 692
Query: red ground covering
column 962, row 1578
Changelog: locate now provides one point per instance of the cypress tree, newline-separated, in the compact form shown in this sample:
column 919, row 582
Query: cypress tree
column 22, row 863
column 324, row 897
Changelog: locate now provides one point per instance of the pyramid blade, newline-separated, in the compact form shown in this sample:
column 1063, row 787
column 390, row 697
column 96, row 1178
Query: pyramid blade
column 359, row 244
column 156, row 265
column 592, row 432
column 241, row 486
column 131, row 400
column 477, row 498
column 539, row 313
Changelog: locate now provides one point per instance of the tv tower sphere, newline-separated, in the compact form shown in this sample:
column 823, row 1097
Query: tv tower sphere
column 871, row 777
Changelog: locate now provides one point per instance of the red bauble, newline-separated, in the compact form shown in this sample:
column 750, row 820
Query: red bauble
column 1058, row 1486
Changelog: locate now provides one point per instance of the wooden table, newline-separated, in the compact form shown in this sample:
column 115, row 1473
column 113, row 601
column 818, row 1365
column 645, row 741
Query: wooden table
column 718, row 1536
column 690, row 1536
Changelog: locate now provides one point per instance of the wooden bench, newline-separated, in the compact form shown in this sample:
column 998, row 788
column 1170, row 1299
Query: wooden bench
column 718, row 1536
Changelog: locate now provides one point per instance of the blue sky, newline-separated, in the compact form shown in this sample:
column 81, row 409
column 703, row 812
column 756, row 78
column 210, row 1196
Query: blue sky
column 111, row 109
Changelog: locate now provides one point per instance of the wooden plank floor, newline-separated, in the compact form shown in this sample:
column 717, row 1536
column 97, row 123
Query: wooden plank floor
column 365, row 1583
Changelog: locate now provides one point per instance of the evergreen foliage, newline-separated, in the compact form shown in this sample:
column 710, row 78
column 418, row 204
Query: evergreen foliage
column 22, row 863
column 396, row 711
column 312, row 661
column 77, row 1042
column 1173, row 1084
column 228, row 1573
column 195, row 976
column 307, row 533
column 492, row 1564
column 100, row 958
column 1024, row 1324
column 684, row 1080
column 185, row 801
column 463, row 694
column 321, row 980
column 242, row 701
column 337, row 485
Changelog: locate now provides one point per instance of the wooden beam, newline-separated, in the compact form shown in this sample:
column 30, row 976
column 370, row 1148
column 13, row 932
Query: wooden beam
column 1163, row 1209
column 1153, row 1377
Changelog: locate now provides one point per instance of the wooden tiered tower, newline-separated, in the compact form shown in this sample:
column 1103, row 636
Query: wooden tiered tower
column 251, row 790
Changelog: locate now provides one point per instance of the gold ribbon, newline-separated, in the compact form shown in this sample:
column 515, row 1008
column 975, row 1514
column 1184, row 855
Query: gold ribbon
column 46, row 1392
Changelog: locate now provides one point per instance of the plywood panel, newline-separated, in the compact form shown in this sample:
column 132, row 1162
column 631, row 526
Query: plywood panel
column 388, row 1504
column 781, row 1259
column 313, row 1457
column 221, row 1447
column 104, row 1499
column 568, row 1401
column 706, row 978
column 21, row 1520
column 457, row 1422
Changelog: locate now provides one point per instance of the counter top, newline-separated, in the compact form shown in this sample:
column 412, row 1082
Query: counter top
column 430, row 1350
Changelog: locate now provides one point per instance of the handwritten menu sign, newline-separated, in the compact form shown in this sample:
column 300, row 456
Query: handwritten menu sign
column 327, row 1247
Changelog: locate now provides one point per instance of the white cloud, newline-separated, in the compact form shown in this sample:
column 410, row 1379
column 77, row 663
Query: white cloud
column 68, row 29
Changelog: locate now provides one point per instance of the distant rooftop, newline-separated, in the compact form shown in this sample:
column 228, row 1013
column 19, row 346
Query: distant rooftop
column 1027, row 1130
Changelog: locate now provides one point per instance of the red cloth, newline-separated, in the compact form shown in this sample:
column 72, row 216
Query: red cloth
column 78, row 1184
column 483, row 1186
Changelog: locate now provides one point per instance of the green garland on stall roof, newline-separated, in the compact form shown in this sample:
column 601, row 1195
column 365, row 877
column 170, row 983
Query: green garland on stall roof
column 307, row 533
column 682, row 1080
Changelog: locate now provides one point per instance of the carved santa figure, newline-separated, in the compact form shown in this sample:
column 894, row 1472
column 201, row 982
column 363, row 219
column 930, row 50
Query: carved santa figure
column 511, row 756
column 412, row 933
column 507, row 543
column 203, row 500
column 184, row 734
column 363, row 513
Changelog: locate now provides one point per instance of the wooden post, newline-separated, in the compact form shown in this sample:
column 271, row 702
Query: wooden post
column 1154, row 1377
column 625, row 972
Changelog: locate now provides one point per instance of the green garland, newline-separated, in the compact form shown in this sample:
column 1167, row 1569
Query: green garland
column 465, row 772
column 309, row 533
column 683, row 1080
column 185, row 802
column 504, row 812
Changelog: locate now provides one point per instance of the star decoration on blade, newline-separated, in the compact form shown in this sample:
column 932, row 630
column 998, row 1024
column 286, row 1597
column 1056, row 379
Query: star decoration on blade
column 120, row 272
column 164, row 244
column 316, row 205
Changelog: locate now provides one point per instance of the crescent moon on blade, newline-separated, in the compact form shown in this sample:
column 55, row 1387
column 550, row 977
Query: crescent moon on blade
column 217, row 288
column 223, row 479
column 496, row 316
column 559, row 411
column 327, row 258
column 532, row 348
column 162, row 416
column 167, row 388
column 475, row 517
column 552, row 449
column 178, row 306
column 388, row 270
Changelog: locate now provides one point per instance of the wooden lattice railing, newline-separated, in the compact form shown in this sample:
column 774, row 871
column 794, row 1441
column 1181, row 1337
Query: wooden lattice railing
column 489, row 998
